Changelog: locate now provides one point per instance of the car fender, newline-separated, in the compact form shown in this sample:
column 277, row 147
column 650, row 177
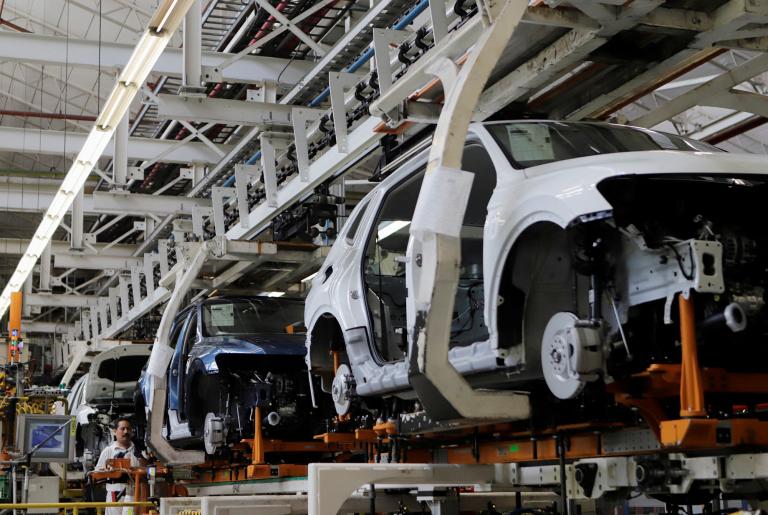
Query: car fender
column 311, row 319
column 505, row 224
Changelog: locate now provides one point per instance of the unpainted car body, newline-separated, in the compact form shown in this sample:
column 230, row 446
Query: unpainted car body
column 576, row 234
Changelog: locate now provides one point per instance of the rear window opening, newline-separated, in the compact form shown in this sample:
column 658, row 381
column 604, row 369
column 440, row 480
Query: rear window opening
column 120, row 370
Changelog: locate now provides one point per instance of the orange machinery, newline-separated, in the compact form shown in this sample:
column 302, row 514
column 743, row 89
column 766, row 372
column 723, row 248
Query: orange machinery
column 14, row 328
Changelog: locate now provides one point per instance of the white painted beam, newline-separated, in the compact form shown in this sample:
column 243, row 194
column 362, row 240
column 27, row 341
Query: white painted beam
column 33, row 48
column 703, row 94
column 95, row 262
column 18, row 196
column 17, row 246
column 46, row 327
column 719, row 125
column 26, row 311
column 743, row 101
column 138, row 204
column 17, row 139
column 538, row 71
column 45, row 268
column 25, row 196
column 60, row 301
column 219, row 110
column 723, row 23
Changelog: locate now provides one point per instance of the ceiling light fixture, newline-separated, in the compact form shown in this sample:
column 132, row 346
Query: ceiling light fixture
column 271, row 293
column 392, row 227
column 309, row 278
column 163, row 24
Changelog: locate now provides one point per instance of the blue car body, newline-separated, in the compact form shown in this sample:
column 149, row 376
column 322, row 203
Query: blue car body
column 199, row 357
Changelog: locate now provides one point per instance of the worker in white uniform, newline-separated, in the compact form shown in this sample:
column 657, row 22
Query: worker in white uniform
column 122, row 447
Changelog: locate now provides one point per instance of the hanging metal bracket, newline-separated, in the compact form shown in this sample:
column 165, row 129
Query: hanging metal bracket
column 218, row 195
column 340, row 82
column 301, row 116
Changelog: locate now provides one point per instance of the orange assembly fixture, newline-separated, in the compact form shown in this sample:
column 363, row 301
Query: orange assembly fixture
column 691, row 386
column 14, row 326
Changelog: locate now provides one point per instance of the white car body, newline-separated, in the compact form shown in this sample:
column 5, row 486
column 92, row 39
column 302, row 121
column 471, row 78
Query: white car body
column 559, row 192
column 95, row 399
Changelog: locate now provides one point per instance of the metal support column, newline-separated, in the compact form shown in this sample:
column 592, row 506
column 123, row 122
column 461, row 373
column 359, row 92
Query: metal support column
column 149, row 226
column 26, row 309
column 192, row 72
column 76, row 243
column 120, row 162
column 45, row 269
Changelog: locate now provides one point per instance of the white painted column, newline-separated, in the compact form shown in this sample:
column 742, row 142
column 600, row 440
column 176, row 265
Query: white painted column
column 149, row 226
column 198, row 172
column 76, row 242
column 193, row 46
column 339, row 189
column 26, row 309
column 93, row 313
column 120, row 162
column 45, row 269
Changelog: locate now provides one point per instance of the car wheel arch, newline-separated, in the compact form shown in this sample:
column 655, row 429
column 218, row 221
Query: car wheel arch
column 501, row 267
column 326, row 336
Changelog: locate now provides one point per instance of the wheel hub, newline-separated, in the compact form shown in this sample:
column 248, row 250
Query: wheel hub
column 342, row 389
column 214, row 433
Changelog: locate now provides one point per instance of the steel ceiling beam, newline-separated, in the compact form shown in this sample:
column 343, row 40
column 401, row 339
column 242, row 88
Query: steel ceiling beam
column 714, row 92
column 46, row 327
column 17, row 139
column 33, row 48
column 20, row 195
column 17, row 246
column 137, row 204
column 95, row 262
column 59, row 300
column 723, row 24
column 34, row 196
column 219, row 110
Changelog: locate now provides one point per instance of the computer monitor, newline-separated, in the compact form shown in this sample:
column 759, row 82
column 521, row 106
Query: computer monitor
column 53, row 435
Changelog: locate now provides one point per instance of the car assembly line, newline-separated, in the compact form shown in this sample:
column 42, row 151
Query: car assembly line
column 322, row 256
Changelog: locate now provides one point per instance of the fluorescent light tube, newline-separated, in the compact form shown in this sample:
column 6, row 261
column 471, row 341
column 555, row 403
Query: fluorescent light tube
column 309, row 278
column 392, row 227
column 144, row 57
column 272, row 293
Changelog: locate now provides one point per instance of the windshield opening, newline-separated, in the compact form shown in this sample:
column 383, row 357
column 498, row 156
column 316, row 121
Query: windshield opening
column 536, row 143
column 251, row 316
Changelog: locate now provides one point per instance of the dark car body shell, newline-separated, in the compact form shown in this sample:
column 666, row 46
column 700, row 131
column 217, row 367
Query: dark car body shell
column 196, row 354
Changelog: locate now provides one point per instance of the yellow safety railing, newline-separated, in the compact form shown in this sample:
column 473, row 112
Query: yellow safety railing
column 75, row 507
